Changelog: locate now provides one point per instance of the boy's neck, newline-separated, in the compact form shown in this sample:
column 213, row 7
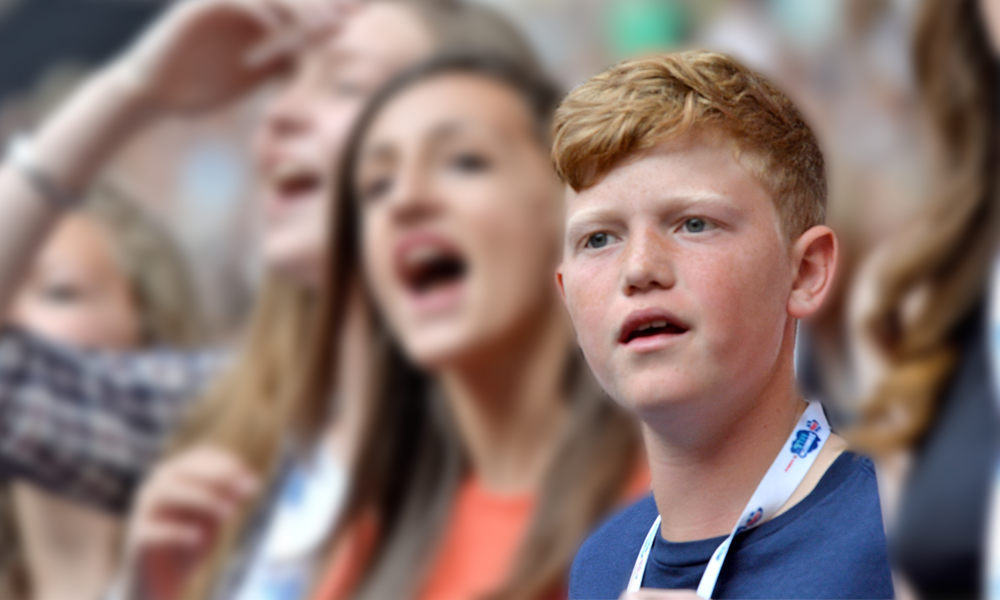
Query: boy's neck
column 705, row 467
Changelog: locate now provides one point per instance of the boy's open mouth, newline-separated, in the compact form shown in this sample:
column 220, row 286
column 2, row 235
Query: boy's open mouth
column 429, row 264
column 650, row 323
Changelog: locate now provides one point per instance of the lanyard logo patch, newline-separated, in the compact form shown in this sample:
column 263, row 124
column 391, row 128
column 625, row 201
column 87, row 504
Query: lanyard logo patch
column 752, row 520
column 806, row 440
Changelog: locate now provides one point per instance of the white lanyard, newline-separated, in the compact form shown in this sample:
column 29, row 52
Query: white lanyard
column 779, row 483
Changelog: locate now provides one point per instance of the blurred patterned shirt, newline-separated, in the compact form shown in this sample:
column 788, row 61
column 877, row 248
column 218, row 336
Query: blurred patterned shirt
column 88, row 425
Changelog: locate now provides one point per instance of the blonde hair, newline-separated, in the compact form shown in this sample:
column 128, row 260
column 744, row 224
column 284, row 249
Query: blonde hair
column 166, row 305
column 640, row 103
column 155, row 267
column 250, row 409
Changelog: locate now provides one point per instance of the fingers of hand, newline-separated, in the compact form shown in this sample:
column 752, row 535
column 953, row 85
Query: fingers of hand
column 169, row 535
column 189, row 498
column 293, row 25
column 279, row 23
column 183, row 515
column 217, row 469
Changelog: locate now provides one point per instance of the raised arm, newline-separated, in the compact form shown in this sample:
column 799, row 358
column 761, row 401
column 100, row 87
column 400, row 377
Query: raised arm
column 202, row 55
column 85, row 426
column 66, row 153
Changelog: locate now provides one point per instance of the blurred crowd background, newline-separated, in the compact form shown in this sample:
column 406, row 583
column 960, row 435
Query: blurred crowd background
column 845, row 62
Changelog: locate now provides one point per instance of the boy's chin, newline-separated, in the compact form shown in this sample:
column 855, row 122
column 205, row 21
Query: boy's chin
column 645, row 394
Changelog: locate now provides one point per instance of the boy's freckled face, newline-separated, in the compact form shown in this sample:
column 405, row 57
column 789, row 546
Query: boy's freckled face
column 677, row 276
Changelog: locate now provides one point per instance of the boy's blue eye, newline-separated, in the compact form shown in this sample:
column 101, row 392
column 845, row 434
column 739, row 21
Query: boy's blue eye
column 695, row 225
column 598, row 240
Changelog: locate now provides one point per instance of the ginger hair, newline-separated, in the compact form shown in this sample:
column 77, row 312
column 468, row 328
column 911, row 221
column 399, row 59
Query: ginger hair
column 639, row 104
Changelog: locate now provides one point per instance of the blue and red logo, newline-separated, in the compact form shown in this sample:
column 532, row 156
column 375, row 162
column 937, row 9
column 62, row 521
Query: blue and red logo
column 751, row 520
column 806, row 440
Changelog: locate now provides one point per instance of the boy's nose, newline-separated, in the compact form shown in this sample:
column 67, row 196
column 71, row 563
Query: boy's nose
column 648, row 264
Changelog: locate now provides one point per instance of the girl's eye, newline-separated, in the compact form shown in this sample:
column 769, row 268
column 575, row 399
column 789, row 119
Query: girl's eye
column 62, row 293
column 598, row 240
column 696, row 225
column 375, row 189
column 470, row 163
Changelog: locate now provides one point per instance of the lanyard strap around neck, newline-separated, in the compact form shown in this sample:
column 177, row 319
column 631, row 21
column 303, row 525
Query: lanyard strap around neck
column 779, row 483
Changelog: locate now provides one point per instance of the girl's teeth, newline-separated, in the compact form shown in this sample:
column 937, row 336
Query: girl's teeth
column 419, row 255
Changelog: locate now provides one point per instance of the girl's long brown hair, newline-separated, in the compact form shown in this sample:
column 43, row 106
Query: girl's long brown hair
column 266, row 397
column 935, row 273
column 411, row 459
column 256, row 404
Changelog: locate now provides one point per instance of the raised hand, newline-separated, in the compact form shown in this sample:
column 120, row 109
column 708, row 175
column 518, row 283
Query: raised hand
column 181, row 511
column 207, row 53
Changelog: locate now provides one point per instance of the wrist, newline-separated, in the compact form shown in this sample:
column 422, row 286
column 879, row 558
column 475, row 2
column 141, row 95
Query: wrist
column 75, row 144
column 22, row 157
column 131, row 94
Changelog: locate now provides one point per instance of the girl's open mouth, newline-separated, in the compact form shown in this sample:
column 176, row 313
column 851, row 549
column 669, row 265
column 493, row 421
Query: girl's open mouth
column 292, row 183
column 432, row 270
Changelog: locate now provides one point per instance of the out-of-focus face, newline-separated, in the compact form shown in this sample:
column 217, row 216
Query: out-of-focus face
column 461, row 218
column 78, row 292
column 989, row 11
column 677, row 277
column 307, row 126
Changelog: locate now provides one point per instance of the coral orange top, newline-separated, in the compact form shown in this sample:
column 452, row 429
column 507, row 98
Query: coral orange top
column 479, row 545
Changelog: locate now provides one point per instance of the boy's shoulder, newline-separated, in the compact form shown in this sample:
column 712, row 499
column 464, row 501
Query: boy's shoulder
column 604, row 563
column 831, row 544
column 778, row 559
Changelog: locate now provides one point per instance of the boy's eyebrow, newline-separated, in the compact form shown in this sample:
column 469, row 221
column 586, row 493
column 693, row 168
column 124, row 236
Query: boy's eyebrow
column 675, row 204
column 590, row 215
column 683, row 201
column 667, row 205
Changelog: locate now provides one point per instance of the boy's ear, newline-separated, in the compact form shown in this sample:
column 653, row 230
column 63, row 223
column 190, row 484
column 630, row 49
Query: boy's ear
column 559, row 284
column 814, row 257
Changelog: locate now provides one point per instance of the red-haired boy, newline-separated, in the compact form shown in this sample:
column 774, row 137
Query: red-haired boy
column 694, row 244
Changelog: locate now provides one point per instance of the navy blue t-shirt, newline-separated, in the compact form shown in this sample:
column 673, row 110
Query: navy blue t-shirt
column 829, row 545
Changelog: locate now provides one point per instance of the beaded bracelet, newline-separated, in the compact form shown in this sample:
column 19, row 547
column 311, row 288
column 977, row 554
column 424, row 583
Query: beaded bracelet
column 22, row 156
